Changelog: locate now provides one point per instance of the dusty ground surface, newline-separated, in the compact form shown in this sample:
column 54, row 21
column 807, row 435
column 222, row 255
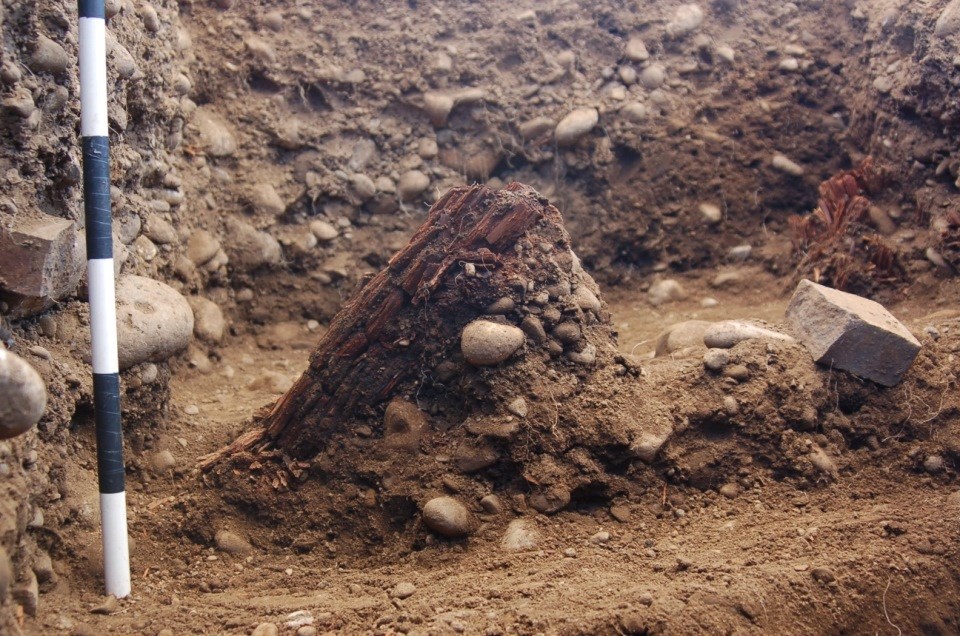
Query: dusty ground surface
column 263, row 158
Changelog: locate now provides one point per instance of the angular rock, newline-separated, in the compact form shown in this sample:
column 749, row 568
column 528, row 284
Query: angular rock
column 249, row 248
column 404, row 425
column 265, row 200
column 576, row 125
column 438, row 107
column 202, row 247
column 208, row 322
column 448, row 517
column 492, row 505
column 711, row 212
column 789, row 65
column 685, row 20
column 216, row 136
column 20, row 103
column 154, row 321
column 852, row 333
column 518, row 406
column 41, row 261
column 636, row 50
column 521, row 536
column 728, row 333
column 550, row 500
column 586, row 357
column 533, row 327
column 726, row 53
column 654, row 432
column 486, row 343
column 23, row 395
column 716, row 359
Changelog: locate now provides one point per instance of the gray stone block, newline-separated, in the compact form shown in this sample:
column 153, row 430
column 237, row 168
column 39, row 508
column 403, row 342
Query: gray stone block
column 849, row 332
column 41, row 260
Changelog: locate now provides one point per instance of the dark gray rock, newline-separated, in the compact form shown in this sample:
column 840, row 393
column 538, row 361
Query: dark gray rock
column 845, row 331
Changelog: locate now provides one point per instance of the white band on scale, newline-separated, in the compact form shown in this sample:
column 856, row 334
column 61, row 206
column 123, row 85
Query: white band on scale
column 116, row 550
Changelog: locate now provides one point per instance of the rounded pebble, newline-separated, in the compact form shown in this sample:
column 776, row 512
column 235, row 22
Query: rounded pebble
column 933, row 464
column 486, row 343
column 576, row 125
column 728, row 333
column 653, row 76
column 23, row 395
column 163, row 461
column 154, row 321
column 265, row 629
column 448, row 517
column 325, row 232
column 412, row 184
column 232, row 543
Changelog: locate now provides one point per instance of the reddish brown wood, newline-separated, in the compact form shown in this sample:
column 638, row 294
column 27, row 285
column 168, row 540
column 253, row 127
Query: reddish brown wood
column 377, row 341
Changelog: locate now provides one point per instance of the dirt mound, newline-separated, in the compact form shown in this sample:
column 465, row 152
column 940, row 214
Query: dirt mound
column 485, row 336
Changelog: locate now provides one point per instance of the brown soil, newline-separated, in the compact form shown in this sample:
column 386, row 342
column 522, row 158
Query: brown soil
column 794, row 500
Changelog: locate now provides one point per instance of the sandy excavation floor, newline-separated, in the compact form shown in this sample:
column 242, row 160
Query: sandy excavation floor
column 268, row 158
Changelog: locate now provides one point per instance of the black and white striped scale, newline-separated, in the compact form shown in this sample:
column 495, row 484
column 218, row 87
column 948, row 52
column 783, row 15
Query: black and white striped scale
column 100, row 275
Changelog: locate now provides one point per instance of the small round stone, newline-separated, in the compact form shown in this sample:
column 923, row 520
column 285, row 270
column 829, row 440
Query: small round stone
column 448, row 517
column 412, row 184
column 576, row 125
column 933, row 464
column 491, row 505
column 730, row 491
column 716, row 359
